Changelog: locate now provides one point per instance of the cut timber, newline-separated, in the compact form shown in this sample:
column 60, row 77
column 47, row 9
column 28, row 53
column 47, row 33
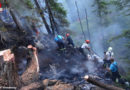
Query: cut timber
column 102, row 85
column 32, row 72
column 2, row 52
column 8, row 73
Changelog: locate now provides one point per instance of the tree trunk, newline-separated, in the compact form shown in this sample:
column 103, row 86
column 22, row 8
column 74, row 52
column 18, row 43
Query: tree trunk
column 8, row 73
column 100, row 84
column 42, row 16
column 18, row 23
column 51, row 17
column 52, row 25
column 16, row 20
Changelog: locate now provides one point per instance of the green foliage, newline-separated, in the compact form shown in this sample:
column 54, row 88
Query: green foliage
column 37, row 21
column 117, row 3
column 125, row 33
column 58, row 12
column 128, row 44
column 57, row 8
column 3, row 29
column 30, row 19
column 122, row 5
column 126, row 56
column 101, row 7
column 127, row 77
column 29, row 4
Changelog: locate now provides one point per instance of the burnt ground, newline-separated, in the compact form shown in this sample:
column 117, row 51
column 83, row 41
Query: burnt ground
column 69, row 66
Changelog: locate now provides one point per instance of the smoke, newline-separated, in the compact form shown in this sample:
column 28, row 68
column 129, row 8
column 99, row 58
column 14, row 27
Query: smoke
column 70, row 7
column 100, row 34
column 90, row 66
column 103, row 35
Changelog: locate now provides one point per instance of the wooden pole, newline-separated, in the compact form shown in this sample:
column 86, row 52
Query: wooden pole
column 88, row 27
column 80, row 20
column 89, row 32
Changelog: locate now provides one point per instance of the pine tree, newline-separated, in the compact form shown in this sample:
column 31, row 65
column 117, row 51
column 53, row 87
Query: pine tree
column 42, row 16
column 58, row 14
column 101, row 10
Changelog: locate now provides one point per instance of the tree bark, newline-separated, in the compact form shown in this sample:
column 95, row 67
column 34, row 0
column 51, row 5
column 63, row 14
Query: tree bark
column 51, row 17
column 50, row 85
column 18, row 23
column 32, row 72
column 8, row 73
column 100, row 84
column 16, row 20
column 42, row 16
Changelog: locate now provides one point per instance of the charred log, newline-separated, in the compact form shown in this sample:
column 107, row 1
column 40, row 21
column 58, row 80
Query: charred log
column 100, row 84
column 50, row 85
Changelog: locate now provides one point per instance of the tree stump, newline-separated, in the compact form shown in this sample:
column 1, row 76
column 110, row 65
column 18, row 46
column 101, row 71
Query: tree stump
column 8, row 72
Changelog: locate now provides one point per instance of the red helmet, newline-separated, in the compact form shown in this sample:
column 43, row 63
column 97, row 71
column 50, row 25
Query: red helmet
column 87, row 41
column 67, row 35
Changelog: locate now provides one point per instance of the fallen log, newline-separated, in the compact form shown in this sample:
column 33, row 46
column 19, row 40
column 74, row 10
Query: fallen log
column 50, row 85
column 8, row 72
column 40, row 85
column 100, row 84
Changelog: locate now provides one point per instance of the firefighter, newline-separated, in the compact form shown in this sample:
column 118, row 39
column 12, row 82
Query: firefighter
column 110, row 53
column 114, row 70
column 69, row 40
column 85, row 46
column 108, row 56
column 105, row 60
column 59, row 40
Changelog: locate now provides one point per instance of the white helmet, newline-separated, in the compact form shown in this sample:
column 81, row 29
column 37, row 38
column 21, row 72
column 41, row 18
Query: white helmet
column 110, row 49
